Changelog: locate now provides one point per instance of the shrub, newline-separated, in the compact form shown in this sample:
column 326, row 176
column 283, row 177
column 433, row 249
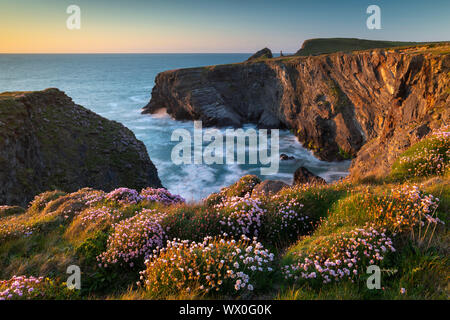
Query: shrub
column 405, row 210
column 428, row 157
column 40, row 201
column 240, row 216
column 133, row 239
column 98, row 215
column 124, row 196
column 14, row 227
column 339, row 256
column 316, row 199
column 161, row 195
column 6, row 211
column 92, row 247
column 48, row 211
column 214, row 265
column 93, row 197
column 25, row 288
column 193, row 222
column 285, row 219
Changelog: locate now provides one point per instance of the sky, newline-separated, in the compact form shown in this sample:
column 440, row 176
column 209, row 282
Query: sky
column 210, row 26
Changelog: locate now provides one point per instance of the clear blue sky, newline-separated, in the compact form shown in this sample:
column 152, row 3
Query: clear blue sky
column 210, row 25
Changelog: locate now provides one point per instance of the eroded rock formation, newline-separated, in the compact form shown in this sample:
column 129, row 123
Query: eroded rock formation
column 48, row 142
column 265, row 53
column 368, row 105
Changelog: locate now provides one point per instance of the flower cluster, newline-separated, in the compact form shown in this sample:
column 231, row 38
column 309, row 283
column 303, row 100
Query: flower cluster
column 99, row 215
column 341, row 256
column 22, row 287
column 285, row 219
column 134, row 238
column 40, row 201
column 93, row 197
column 442, row 133
column 160, row 195
column 407, row 207
column 124, row 196
column 6, row 211
column 15, row 226
column 240, row 215
column 130, row 196
column 216, row 264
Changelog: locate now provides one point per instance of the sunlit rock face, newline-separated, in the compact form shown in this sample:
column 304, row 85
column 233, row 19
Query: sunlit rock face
column 366, row 105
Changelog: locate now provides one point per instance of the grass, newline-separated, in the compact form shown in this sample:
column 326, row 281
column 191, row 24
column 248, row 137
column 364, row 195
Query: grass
column 331, row 45
column 430, row 156
column 119, row 240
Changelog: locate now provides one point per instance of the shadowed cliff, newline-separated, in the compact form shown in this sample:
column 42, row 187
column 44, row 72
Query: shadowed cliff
column 48, row 142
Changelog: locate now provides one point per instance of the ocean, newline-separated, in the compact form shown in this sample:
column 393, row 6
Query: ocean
column 117, row 86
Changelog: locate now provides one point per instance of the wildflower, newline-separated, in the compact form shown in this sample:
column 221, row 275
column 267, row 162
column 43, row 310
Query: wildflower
column 207, row 260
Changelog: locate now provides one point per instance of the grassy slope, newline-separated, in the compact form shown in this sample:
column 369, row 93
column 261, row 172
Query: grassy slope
column 60, row 238
column 330, row 45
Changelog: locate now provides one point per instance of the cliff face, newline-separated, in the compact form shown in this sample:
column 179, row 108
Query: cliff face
column 48, row 142
column 370, row 104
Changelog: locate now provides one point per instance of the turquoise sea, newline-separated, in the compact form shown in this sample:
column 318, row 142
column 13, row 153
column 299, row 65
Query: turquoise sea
column 117, row 86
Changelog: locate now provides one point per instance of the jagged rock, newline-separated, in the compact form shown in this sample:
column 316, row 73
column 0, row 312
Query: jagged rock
column 360, row 105
column 268, row 187
column 285, row 157
column 48, row 142
column 261, row 54
column 303, row 175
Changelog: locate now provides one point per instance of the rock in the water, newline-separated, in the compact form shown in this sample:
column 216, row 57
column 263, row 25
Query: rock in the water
column 285, row 157
column 303, row 175
column 48, row 142
column 261, row 54
column 268, row 187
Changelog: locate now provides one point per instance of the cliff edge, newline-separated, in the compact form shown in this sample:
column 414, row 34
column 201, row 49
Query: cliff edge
column 48, row 142
column 367, row 105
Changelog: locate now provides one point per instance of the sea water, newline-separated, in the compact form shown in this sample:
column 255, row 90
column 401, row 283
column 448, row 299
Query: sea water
column 117, row 86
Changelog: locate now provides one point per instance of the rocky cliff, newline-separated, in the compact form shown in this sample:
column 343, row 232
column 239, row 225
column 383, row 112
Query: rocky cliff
column 368, row 105
column 48, row 142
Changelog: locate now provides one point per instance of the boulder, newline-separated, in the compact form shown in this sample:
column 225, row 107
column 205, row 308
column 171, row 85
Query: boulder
column 268, row 187
column 285, row 157
column 303, row 175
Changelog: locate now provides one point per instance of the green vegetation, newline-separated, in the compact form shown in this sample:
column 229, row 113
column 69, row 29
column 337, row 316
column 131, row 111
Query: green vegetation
column 430, row 156
column 305, row 242
column 344, row 154
column 331, row 45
